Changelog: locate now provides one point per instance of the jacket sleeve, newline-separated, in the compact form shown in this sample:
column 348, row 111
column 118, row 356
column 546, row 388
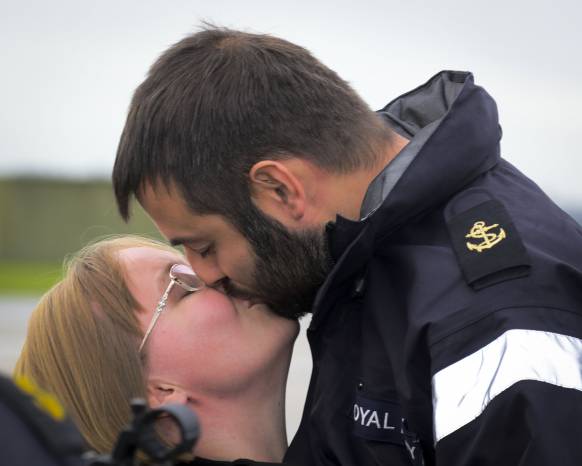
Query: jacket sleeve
column 514, row 401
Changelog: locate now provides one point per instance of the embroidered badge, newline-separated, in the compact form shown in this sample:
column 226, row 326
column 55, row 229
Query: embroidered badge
column 487, row 244
column 481, row 232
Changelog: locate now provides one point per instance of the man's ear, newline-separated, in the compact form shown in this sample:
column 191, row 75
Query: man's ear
column 160, row 393
column 277, row 189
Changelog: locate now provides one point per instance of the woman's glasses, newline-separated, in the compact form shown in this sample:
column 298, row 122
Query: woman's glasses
column 183, row 276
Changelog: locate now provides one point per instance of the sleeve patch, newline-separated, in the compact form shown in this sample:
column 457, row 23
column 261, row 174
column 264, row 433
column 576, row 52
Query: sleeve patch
column 487, row 244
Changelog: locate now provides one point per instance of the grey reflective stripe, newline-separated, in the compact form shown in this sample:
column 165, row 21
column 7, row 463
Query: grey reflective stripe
column 462, row 391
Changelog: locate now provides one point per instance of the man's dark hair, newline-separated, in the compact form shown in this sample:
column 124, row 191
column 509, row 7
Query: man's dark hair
column 221, row 100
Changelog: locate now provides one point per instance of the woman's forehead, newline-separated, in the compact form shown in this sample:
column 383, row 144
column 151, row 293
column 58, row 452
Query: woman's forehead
column 146, row 272
column 145, row 261
column 150, row 254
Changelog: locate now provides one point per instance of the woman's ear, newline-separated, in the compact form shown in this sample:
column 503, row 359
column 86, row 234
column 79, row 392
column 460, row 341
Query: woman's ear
column 160, row 393
column 277, row 189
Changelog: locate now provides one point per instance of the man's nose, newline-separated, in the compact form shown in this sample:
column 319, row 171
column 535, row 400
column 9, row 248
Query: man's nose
column 205, row 267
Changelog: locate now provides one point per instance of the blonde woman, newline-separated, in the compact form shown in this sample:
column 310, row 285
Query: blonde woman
column 131, row 319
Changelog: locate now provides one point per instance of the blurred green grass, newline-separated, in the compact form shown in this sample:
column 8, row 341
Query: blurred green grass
column 18, row 278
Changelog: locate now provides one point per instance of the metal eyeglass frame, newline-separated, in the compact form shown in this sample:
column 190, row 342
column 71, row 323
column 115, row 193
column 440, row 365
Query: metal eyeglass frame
column 174, row 280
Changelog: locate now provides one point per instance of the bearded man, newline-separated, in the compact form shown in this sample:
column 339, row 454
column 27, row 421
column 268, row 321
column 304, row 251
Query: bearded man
column 445, row 286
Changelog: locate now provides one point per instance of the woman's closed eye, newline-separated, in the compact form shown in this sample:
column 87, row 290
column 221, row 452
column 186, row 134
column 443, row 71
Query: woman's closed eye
column 184, row 293
column 178, row 293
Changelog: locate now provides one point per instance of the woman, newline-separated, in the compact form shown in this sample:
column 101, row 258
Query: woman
column 114, row 329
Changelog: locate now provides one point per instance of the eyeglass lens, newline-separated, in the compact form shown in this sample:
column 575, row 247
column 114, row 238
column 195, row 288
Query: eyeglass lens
column 184, row 276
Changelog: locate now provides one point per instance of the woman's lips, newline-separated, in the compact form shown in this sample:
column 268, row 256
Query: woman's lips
column 246, row 304
column 242, row 304
column 252, row 302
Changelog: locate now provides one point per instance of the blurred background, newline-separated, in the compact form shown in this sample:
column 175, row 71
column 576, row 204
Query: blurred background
column 68, row 70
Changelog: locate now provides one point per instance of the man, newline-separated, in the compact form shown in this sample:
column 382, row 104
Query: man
column 445, row 287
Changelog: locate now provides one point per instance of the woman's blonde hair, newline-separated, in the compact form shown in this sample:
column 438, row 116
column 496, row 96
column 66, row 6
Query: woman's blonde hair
column 82, row 341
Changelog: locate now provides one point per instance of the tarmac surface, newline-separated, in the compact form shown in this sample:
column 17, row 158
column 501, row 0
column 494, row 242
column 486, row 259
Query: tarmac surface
column 14, row 313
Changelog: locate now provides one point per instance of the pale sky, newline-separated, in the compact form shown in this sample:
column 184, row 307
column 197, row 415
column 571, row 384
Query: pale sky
column 68, row 69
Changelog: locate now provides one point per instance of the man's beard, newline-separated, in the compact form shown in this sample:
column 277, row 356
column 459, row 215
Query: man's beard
column 289, row 266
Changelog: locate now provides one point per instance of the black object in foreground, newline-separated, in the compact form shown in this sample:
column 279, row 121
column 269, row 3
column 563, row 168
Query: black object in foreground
column 35, row 431
column 142, row 435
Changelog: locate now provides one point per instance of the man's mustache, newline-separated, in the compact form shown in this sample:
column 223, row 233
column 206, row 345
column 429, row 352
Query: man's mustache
column 227, row 287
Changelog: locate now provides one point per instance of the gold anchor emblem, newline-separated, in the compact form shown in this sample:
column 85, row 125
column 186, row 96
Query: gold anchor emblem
column 480, row 231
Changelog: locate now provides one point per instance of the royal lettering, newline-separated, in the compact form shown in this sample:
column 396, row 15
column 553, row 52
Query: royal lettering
column 372, row 418
column 382, row 421
column 386, row 425
column 410, row 449
column 364, row 414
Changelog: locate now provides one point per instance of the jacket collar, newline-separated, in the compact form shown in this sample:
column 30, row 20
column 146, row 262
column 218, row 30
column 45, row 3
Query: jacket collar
column 454, row 137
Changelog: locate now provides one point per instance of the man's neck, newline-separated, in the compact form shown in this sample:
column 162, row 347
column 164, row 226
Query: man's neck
column 348, row 191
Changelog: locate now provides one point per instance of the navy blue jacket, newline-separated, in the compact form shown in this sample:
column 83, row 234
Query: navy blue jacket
column 449, row 331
